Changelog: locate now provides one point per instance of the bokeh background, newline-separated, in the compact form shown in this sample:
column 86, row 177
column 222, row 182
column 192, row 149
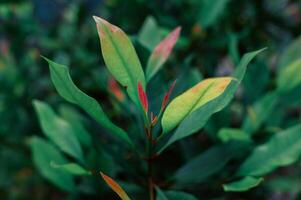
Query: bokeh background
column 211, row 43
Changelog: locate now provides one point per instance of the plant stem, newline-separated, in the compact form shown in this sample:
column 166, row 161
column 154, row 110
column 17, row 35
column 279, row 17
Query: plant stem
column 150, row 165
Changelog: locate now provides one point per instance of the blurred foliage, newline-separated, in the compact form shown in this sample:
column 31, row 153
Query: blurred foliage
column 214, row 37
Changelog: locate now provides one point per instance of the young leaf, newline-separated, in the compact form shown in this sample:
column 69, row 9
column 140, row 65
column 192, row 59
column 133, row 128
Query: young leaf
column 208, row 163
column 120, row 57
column 167, row 95
column 289, row 77
column 283, row 149
column 142, row 98
column 58, row 130
column 115, row 186
column 173, row 195
column 197, row 119
column 71, row 168
column 66, row 88
column 161, row 53
column 191, row 100
column 242, row 185
column 43, row 153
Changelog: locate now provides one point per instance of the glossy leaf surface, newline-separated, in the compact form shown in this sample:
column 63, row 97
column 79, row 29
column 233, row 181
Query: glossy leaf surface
column 67, row 89
column 191, row 100
column 120, row 57
column 197, row 119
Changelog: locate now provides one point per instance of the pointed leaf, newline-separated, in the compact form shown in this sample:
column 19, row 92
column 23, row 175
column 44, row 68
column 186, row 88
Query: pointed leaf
column 197, row 119
column 58, row 130
column 281, row 150
column 242, row 185
column 167, row 95
column 142, row 98
column 161, row 53
column 43, row 153
column 120, row 57
column 115, row 186
column 67, row 89
column 191, row 100
column 71, row 168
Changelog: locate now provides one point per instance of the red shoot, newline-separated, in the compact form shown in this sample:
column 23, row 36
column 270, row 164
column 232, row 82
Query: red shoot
column 142, row 97
column 167, row 95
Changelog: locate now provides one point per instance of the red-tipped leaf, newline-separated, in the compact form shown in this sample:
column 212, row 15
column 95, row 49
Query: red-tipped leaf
column 167, row 95
column 142, row 97
column 115, row 186
column 161, row 53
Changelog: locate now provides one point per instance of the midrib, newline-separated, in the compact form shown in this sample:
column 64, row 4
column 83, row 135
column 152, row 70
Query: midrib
column 120, row 56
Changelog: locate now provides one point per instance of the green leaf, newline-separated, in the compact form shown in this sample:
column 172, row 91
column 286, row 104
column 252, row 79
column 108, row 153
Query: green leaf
column 211, row 11
column 289, row 77
column 150, row 34
column 71, row 168
column 43, row 153
column 191, row 100
column 207, row 163
column 228, row 134
column 260, row 112
column 281, row 150
column 291, row 53
column 173, row 195
column 243, row 184
column 74, row 118
column 66, row 88
column 58, row 130
column 161, row 53
column 197, row 119
column 120, row 57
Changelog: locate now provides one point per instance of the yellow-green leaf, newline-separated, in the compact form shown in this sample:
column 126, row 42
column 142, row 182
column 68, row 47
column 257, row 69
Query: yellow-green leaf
column 115, row 186
column 120, row 57
column 191, row 100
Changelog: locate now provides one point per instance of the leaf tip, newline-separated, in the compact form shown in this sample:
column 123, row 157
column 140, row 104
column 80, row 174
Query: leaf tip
column 142, row 97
